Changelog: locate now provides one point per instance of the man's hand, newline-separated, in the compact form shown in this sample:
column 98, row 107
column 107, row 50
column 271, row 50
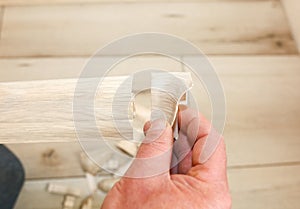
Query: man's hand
column 187, row 185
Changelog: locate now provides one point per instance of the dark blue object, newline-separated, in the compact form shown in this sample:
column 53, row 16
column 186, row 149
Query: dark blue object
column 11, row 178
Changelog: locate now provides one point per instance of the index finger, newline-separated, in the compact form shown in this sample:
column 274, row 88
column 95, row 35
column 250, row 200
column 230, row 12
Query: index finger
column 208, row 154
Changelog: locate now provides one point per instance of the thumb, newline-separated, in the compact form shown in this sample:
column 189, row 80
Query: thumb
column 158, row 139
column 154, row 155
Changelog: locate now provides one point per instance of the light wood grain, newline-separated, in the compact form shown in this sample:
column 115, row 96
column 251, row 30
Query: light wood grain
column 270, row 188
column 262, row 98
column 48, row 116
column 49, row 160
column 43, row 110
column 229, row 27
column 49, row 2
column 292, row 8
column 262, row 116
column 256, row 188
column 41, row 2
column 40, row 69
column 59, row 68
column 1, row 18
column 35, row 196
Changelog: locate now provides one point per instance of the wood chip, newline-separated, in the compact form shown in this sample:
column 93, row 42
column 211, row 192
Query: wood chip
column 63, row 190
column 106, row 184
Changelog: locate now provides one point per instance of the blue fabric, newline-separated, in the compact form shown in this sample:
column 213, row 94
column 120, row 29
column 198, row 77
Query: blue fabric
column 11, row 178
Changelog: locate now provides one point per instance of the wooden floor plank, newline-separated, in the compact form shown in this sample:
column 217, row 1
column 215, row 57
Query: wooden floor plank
column 262, row 100
column 1, row 19
column 42, row 2
column 28, row 69
column 270, row 188
column 255, row 188
column 49, row 2
column 215, row 27
column 40, row 69
column 262, row 114
column 292, row 8
column 49, row 160
column 35, row 196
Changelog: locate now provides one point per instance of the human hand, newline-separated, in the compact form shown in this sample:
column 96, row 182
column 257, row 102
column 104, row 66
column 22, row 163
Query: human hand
column 190, row 184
